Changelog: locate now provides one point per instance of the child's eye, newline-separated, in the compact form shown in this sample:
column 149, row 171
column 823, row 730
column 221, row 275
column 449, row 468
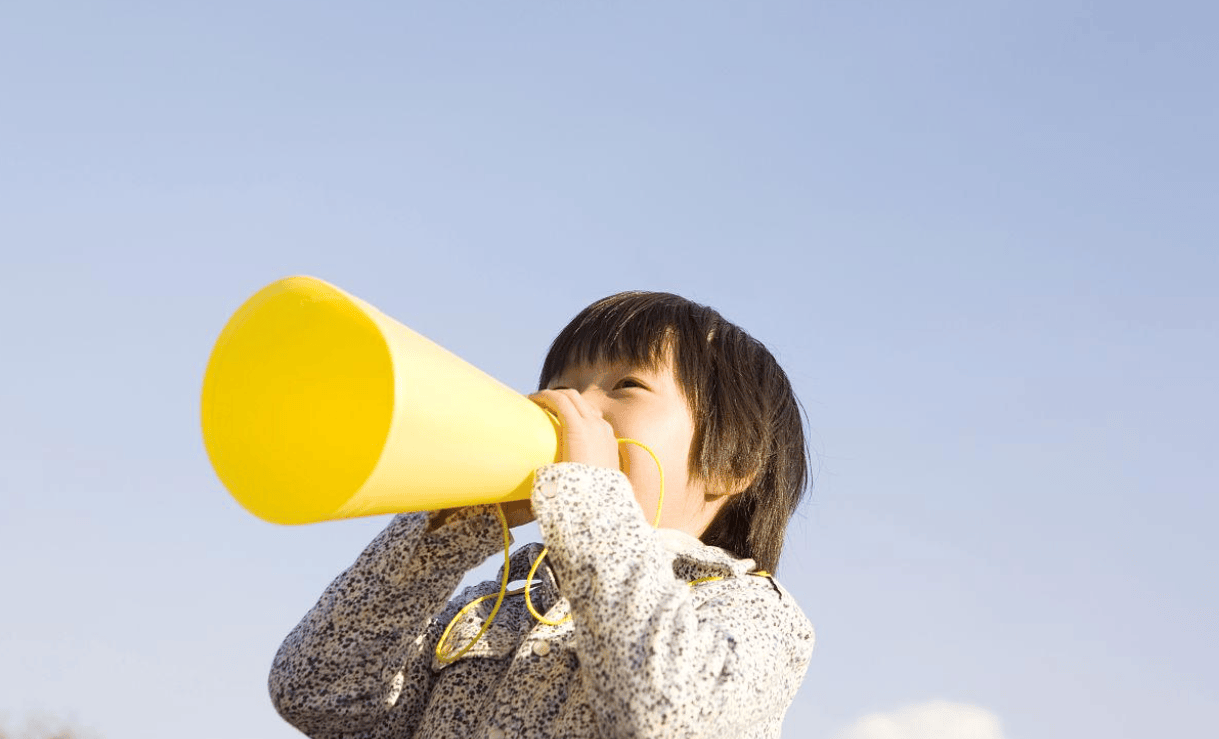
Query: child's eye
column 630, row 382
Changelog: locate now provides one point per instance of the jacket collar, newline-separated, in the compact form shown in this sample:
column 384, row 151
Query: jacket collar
column 692, row 559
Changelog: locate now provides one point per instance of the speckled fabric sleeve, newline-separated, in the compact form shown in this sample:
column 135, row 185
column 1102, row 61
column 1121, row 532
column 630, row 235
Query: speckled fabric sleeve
column 662, row 659
column 364, row 651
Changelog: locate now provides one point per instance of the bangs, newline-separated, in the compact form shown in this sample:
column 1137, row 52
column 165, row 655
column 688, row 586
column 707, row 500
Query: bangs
column 641, row 329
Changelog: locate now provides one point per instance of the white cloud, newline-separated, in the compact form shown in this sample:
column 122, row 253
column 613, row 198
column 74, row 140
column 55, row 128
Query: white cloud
column 933, row 720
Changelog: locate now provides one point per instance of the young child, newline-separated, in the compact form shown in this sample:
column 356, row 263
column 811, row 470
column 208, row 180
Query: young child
column 676, row 631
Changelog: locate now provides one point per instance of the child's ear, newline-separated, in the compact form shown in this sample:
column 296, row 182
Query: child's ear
column 727, row 488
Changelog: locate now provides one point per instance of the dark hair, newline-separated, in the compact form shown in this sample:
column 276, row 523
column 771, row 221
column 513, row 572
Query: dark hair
column 747, row 421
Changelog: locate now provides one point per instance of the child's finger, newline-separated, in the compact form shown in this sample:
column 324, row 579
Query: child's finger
column 587, row 436
column 572, row 402
column 558, row 404
column 570, row 406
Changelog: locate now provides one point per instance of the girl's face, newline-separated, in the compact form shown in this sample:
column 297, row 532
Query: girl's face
column 648, row 406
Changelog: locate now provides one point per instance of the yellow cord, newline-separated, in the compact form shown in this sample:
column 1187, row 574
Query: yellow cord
column 655, row 524
column 447, row 657
column 660, row 500
column 713, row 578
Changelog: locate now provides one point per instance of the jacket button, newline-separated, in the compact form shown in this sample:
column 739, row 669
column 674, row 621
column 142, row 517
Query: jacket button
column 550, row 489
column 541, row 648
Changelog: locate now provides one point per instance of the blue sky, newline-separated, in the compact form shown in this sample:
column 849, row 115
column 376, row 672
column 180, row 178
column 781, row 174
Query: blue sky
column 980, row 237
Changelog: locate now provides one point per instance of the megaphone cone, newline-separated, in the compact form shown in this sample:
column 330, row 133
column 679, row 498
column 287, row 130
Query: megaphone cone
column 318, row 406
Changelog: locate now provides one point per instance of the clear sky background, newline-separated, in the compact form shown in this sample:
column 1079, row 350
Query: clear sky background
column 980, row 236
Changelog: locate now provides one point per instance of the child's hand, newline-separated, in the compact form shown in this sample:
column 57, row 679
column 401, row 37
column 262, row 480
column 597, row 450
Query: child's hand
column 587, row 437
column 517, row 512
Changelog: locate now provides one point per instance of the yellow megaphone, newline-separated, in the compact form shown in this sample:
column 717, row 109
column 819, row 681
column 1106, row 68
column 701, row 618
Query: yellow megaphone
column 318, row 406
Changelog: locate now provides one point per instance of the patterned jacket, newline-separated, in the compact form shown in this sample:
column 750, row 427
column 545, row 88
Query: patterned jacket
column 645, row 654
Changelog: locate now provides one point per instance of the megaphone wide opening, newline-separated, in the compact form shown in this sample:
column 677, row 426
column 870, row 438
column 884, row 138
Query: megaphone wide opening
column 298, row 400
